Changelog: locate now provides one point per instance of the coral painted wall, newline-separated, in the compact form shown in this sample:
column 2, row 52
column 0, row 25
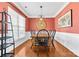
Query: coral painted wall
column 27, row 24
column 49, row 23
column 75, row 18
column 2, row 7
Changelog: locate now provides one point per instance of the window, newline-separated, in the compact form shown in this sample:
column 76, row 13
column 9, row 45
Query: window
column 18, row 22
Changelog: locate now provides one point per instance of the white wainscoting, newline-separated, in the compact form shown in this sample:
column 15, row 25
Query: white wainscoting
column 69, row 40
column 22, row 40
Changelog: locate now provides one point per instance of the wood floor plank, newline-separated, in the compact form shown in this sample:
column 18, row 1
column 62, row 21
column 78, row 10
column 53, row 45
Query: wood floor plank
column 25, row 50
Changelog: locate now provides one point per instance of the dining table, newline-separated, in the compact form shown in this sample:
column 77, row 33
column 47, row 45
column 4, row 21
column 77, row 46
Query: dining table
column 34, row 36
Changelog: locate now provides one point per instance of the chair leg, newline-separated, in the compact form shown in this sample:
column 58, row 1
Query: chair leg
column 47, row 51
column 38, row 52
column 53, row 46
column 32, row 45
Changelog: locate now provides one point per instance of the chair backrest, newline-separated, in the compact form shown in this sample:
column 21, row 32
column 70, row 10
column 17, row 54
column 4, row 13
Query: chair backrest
column 45, row 39
column 50, row 31
column 53, row 34
column 32, row 32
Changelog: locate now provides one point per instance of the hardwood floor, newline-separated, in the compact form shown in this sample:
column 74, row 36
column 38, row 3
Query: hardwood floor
column 25, row 50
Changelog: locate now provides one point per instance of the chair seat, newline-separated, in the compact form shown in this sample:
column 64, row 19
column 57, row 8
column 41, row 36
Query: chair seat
column 41, row 44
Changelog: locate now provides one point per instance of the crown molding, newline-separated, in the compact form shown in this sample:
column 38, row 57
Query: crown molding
column 45, row 16
column 61, row 9
column 20, row 8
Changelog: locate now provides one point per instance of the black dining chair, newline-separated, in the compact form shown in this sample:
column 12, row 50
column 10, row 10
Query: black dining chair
column 50, row 31
column 53, row 37
column 32, row 32
column 42, row 41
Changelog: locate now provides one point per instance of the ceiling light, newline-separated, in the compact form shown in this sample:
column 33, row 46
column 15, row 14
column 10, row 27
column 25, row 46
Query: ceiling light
column 41, row 13
column 25, row 6
column 41, row 18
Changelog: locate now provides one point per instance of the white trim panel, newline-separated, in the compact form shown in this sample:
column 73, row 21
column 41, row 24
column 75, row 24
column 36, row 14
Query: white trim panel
column 20, row 8
column 69, row 40
column 22, row 40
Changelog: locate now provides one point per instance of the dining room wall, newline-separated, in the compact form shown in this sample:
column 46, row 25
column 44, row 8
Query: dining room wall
column 50, row 24
column 27, row 24
column 75, row 18
column 27, row 36
column 69, row 36
column 4, row 6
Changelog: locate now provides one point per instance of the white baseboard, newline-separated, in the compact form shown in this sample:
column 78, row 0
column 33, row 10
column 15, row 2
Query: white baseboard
column 69, row 40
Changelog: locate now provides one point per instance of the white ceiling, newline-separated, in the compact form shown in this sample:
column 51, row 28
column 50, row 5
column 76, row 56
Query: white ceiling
column 49, row 9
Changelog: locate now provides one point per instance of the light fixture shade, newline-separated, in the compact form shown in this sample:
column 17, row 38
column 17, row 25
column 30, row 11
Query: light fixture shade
column 41, row 18
column 41, row 24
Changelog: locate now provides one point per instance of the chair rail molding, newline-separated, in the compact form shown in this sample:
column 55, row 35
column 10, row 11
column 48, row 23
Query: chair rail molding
column 69, row 40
